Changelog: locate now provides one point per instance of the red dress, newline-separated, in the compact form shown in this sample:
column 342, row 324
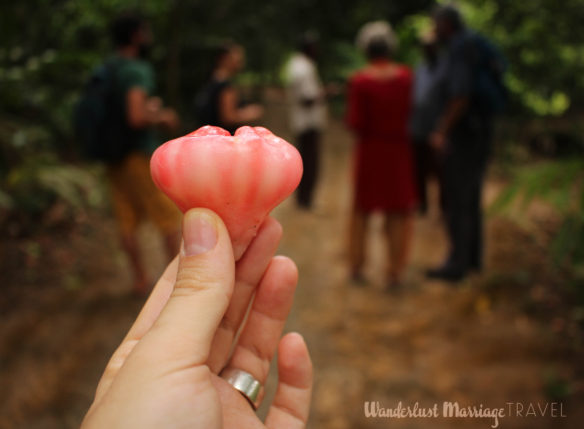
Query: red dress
column 378, row 112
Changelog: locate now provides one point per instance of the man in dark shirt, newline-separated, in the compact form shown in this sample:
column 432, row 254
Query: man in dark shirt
column 463, row 134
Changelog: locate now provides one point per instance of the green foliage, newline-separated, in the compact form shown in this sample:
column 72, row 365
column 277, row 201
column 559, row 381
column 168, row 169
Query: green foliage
column 48, row 51
column 544, row 46
column 49, row 47
column 38, row 183
column 32, row 189
column 560, row 184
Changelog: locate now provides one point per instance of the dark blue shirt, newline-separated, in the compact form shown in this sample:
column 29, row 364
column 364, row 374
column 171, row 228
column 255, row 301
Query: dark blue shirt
column 457, row 75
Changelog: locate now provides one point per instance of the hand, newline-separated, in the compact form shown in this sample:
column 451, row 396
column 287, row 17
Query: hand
column 169, row 119
column 165, row 372
column 438, row 141
column 154, row 104
column 307, row 103
column 251, row 113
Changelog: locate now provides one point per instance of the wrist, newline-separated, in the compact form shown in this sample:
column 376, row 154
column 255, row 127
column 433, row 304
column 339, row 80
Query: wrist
column 160, row 116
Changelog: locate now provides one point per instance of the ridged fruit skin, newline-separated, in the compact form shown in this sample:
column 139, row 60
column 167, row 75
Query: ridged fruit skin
column 240, row 177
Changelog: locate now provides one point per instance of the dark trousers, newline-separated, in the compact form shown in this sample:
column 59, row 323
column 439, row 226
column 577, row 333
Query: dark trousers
column 464, row 169
column 308, row 144
column 428, row 164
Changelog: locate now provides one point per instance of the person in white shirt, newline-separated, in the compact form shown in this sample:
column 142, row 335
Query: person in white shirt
column 307, row 113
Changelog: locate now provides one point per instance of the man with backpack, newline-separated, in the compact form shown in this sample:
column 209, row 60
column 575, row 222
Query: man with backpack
column 115, row 121
column 472, row 77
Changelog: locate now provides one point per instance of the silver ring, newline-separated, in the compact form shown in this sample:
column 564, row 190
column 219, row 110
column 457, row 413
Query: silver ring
column 246, row 384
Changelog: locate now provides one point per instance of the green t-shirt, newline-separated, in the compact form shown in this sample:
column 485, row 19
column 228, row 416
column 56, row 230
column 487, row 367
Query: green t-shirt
column 133, row 73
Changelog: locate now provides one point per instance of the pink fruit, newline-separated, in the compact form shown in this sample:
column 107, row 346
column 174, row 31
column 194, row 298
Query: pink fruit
column 240, row 177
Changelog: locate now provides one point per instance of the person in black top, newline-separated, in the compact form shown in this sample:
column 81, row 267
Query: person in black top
column 463, row 136
column 218, row 102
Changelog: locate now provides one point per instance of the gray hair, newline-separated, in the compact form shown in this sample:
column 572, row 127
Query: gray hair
column 378, row 32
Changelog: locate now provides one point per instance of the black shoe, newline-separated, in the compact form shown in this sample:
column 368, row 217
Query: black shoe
column 448, row 274
column 475, row 262
column 475, row 268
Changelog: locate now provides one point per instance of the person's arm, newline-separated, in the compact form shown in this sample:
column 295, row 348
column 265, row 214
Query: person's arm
column 231, row 114
column 307, row 102
column 454, row 111
column 144, row 111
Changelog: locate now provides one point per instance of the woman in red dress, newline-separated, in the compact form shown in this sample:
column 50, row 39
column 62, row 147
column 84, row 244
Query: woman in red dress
column 378, row 113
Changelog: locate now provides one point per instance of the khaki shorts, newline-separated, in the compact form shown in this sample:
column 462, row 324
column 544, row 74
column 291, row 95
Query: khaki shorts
column 135, row 197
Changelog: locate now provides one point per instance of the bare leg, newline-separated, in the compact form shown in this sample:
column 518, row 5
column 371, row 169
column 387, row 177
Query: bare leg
column 130, row 246
column 399, row 229
column 392, row 231
column 357, row 242
column 406, row 240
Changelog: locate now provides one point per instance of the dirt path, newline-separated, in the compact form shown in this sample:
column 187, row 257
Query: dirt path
column 433, row 343
column 430, row 344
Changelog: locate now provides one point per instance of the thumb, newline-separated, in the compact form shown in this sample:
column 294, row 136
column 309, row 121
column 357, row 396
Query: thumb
column 186, row 325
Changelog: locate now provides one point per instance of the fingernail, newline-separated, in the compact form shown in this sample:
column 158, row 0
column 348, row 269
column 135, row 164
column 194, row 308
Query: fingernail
column 199, row 233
